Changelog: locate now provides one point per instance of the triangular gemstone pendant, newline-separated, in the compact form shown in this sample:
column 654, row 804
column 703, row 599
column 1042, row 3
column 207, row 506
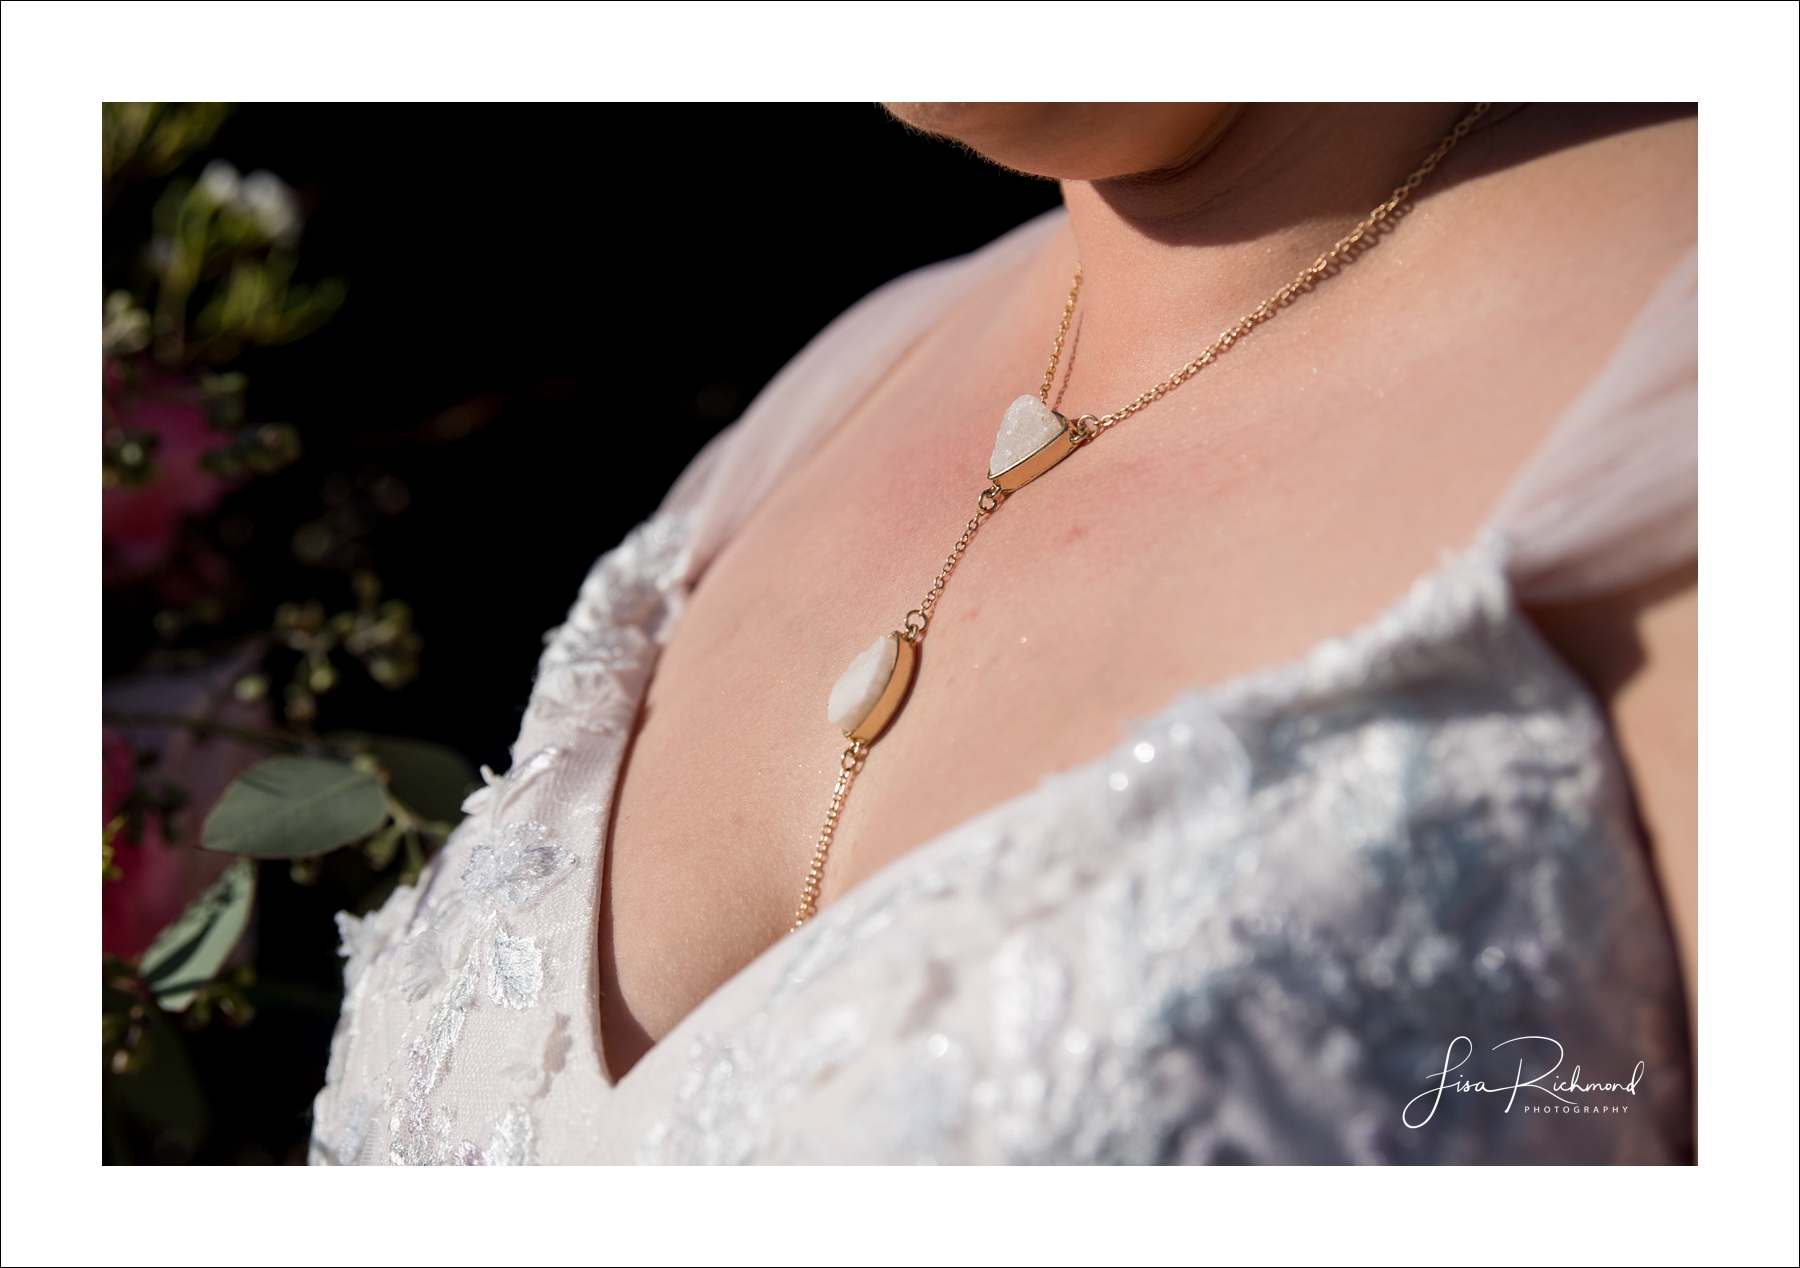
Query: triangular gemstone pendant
column 1032, row 439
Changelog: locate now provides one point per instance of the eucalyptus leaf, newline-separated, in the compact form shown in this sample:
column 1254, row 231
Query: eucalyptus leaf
column 186, row 954
column 292, row 807
column 430, row 779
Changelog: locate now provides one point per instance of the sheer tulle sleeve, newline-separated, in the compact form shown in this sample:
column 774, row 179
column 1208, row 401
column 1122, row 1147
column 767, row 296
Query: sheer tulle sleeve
column 1611, row 497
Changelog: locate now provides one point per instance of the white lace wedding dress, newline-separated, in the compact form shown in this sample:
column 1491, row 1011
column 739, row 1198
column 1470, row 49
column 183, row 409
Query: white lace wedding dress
column 1250, row 933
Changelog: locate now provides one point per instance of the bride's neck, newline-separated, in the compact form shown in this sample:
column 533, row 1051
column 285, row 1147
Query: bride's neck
column 1192, row 247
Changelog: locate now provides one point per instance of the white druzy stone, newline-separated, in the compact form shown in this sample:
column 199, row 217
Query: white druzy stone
column 1029, row 425
column 862, row 684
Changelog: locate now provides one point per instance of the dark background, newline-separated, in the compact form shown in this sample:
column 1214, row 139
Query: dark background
column 593, row 293
column 551, row 309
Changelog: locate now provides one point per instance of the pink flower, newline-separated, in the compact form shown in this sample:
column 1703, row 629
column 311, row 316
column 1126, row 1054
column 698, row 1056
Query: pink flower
column 164, row 869
column 146, row 897
column 151, row 890
column 139, row 524
column 118, row 769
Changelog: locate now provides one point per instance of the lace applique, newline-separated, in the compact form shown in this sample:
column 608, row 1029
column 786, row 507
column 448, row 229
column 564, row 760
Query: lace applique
column 431, row 1053
column 471, row 934
column 596, row 664
column 517, row 972
column 636, row 587
column 513, row 865
column 511, row 1143
column 499, row 792
column 419, row 1132
column 1245, row 935
column 508, row 869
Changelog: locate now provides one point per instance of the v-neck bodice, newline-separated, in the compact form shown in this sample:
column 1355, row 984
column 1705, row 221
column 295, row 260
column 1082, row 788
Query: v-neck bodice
column 1253, row 931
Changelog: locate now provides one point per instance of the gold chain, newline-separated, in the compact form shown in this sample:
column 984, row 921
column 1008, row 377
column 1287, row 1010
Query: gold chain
column 848, row 765
column 913, row 626
column 1088, row 427
column 1309, row 277
column 1062, row 332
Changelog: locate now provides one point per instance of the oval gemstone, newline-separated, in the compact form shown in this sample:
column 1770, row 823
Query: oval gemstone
column 856, row 694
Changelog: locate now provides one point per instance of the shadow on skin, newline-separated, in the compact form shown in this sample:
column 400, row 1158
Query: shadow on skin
column 1508, row 135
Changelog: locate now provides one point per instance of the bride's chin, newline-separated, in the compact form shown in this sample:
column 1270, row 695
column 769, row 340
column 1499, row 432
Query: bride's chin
column 1085, row 141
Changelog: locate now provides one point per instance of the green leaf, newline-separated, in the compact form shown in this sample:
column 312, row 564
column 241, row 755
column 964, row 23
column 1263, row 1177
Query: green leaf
column 431, row 779
column 161, row 1094
column 185, row 955
column 292, row 807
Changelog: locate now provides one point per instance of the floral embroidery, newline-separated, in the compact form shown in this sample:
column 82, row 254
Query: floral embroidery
column 514, row 865
column 516, row 973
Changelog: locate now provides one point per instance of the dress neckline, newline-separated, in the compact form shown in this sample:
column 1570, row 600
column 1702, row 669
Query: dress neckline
column 1474, row 579
column 1486, row 552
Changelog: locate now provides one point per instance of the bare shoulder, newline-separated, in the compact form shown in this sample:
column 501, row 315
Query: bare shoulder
column 1629, row 172
column 1653, row 138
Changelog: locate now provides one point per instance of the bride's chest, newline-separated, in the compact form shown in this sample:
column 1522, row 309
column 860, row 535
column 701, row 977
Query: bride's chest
column 1286, row 496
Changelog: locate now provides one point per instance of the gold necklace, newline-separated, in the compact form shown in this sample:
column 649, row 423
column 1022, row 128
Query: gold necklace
column 1033, row 438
